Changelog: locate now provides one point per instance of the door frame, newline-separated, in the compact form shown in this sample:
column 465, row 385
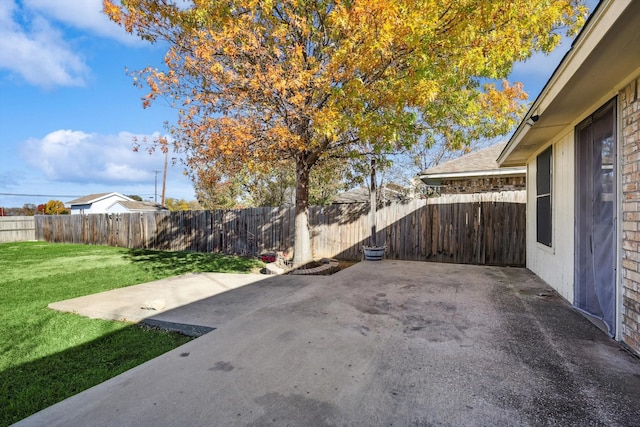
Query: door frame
column 616, row 209
column 619, row 220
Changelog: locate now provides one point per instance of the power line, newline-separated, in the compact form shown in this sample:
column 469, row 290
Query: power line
column 57, row 195
column 37, row 195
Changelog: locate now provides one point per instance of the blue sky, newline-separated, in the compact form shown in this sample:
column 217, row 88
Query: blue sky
column 69, row 112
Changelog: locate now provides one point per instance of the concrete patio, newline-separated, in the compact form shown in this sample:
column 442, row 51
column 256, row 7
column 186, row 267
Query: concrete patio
column 378, row 344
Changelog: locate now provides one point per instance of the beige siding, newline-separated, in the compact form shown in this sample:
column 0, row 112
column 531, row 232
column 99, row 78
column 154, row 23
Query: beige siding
column 554, row 265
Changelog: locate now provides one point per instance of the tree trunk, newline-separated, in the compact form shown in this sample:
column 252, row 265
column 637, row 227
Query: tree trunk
column 302, row 243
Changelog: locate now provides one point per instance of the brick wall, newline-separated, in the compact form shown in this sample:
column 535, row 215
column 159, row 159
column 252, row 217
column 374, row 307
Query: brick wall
column 482, row 185
column 630, row 138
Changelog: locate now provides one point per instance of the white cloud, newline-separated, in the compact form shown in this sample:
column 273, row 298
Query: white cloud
column 33, row 49
column 82, row 14
column 79, row 157
column 35, row 45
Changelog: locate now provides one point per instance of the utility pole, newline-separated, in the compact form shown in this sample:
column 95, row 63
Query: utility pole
column 164, row 176
column 155, row 194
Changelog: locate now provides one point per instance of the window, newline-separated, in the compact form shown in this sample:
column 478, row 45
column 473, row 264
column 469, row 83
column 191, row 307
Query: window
column 543, row 196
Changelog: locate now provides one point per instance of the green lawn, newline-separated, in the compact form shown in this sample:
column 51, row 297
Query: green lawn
column 47, row 356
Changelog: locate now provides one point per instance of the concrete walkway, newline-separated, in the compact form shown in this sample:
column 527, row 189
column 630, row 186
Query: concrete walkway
column 378, row 344
column 183, row 303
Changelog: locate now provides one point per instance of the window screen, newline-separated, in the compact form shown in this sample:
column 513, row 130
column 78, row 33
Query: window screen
column 543, row 196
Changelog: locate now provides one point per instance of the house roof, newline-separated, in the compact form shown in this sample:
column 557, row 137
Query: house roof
column 477, row 163
column 602, row 60
column 136, row 206
column 388, row 192
column 92, row 198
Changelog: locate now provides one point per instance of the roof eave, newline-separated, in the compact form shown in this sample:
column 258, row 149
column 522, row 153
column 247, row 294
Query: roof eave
column 585, row 75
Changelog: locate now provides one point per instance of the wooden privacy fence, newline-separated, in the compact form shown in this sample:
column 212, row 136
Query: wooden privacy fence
column 478, row 232
column 17, row 228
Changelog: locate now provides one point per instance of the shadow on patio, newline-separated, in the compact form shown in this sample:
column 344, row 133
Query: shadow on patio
column 380, row 343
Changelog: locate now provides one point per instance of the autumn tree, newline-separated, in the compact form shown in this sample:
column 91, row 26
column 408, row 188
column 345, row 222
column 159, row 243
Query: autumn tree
column 29, row 209
column 175, row 204
column 327, row 181
column 55, row 207
column 275, row 187
column 181, row 204
column 213, row 192
column 257, row 82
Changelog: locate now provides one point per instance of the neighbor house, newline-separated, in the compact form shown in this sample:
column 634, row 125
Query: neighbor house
column 580, row 143
column 96, row 203
column 124, row 206
column 111, row 203
column 476, row 172
column 386, row 193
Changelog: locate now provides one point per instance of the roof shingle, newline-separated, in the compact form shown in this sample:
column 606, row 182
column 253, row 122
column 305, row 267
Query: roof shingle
column 88, row 198
column 484, row 160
